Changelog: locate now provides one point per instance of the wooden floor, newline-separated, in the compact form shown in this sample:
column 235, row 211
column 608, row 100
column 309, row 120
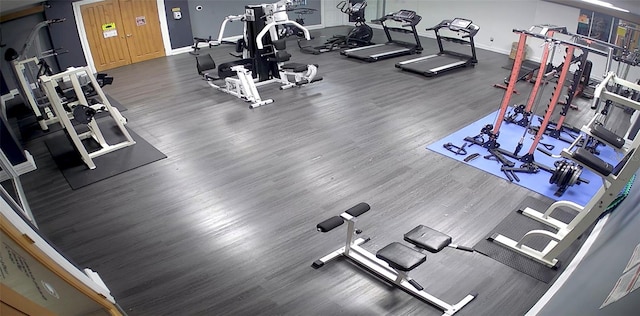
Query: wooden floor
column 226, row 224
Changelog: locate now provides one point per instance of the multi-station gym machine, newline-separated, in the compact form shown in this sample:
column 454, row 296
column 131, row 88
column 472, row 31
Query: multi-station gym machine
column 263, row 59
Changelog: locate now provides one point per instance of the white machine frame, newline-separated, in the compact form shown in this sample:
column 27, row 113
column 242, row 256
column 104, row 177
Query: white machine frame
column 588, row 214
column 363, row 257
column 74, row 75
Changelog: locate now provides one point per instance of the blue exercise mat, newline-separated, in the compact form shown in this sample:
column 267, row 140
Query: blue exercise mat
column 508, row 139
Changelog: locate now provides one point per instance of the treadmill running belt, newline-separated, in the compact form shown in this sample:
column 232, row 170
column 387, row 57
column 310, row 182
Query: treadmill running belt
column 432, row 65
column 373, row 53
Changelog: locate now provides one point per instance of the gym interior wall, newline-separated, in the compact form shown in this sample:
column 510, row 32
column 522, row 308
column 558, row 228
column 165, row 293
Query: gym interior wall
column 207, row 16
column 180, row 33
column 13, row 35
column 65, row 35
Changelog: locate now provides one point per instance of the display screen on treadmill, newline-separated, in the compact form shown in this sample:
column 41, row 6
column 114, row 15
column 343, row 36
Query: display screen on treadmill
column 461, row 23
column 405, row 14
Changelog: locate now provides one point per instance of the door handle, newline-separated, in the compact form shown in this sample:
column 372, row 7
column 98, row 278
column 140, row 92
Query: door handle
column 128, row 35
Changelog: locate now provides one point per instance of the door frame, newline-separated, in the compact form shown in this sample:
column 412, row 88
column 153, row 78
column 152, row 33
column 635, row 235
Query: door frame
column 77, row 12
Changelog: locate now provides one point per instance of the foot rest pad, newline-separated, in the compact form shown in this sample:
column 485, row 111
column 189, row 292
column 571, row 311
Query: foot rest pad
column 590, row 160
column 401, row 257
column 295, row 67
column 608, row 136
column 428, row 238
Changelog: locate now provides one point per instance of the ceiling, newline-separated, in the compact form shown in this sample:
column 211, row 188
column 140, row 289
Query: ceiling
column 8, row 6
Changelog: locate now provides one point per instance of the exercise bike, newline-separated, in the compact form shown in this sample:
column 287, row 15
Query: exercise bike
column 360, row 35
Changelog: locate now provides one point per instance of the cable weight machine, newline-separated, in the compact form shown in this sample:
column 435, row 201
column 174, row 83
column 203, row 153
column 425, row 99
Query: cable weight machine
column 263, row 55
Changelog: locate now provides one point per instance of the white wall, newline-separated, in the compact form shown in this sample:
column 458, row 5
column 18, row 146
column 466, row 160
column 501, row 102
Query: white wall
column 497, row 19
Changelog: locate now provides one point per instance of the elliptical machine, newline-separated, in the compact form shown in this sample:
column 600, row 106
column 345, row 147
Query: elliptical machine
column 360, row 35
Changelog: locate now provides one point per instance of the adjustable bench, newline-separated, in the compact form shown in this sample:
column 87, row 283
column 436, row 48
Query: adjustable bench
column 394, row 261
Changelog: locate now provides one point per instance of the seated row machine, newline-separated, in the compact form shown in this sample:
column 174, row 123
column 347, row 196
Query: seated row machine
column 394, row 261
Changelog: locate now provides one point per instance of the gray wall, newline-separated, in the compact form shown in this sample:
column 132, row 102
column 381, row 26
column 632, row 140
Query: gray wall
column 13, row 34
column 207, row 22
column 179, row 30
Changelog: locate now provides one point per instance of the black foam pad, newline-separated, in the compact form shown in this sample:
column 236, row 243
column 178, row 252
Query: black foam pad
column 295, row 67
column 280, row 44
column 358, row 209
column 590, row 160
column 204, row 63
column 330, row 224
column 401, row 257
column 428, row 238
column 607, row 135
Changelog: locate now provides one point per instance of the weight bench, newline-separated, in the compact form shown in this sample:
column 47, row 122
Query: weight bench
column 394, row 261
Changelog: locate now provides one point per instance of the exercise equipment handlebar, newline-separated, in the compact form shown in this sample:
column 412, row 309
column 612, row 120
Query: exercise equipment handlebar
column 358, row 209
column 336, row 221
column 330, row 224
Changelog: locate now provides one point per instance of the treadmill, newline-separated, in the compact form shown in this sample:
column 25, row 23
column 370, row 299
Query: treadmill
column 392, row 48
column 446, row 60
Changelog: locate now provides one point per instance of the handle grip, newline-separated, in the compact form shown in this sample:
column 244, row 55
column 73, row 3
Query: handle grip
column 358, row 209
column 330, row 224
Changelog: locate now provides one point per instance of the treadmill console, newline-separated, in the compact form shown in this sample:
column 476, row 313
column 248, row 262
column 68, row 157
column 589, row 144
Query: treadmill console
column 459, row 23
column 404, row 15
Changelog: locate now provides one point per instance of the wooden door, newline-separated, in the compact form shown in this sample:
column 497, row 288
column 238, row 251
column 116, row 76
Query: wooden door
column 105, row 34
column 142, row 26
column 121, row 32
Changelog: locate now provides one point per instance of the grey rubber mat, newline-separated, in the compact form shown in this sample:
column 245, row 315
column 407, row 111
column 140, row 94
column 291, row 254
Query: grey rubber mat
column 514, row 226
column 79, row 175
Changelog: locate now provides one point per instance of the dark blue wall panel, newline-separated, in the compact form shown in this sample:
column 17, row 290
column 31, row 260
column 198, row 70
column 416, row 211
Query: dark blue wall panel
column 65, row 35
column 179, row 30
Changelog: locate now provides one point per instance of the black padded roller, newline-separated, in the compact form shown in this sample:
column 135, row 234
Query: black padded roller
column 585, row 157
column 609, row 136
column 330, row 224
column 359, row 209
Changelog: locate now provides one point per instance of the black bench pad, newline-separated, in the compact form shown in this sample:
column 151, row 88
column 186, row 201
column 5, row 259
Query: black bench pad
column 295, row 67
column 608, row 136
column 590, row 160
column 401, row 257
column 427, row 238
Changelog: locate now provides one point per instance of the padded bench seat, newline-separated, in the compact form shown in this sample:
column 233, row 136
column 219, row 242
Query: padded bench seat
column 607, row 135
column 295, row 67
column 590, row 160
column 428, row 238
column 401, row 257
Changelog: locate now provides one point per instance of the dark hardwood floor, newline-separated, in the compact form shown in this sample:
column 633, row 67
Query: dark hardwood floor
column 226, row 224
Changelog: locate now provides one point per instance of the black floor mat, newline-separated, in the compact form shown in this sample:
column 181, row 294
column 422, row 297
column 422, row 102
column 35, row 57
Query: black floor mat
column 79, row 175
column 514, row 226
column 30, row 129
